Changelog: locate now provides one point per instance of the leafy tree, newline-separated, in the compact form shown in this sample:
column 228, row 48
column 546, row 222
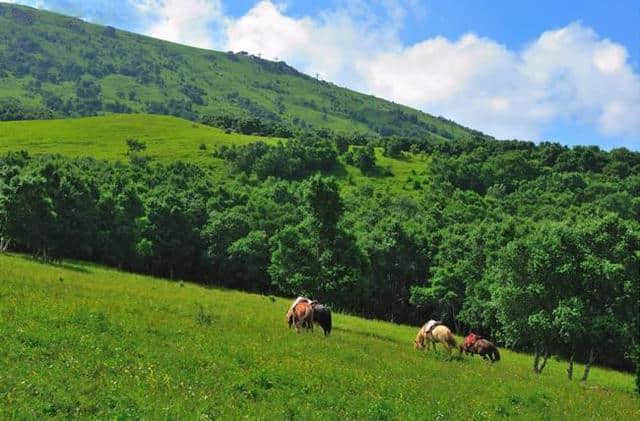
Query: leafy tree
column 322, row 198
column 31, row 216
column 135, row 146
column 365, row 158
column 538, row 274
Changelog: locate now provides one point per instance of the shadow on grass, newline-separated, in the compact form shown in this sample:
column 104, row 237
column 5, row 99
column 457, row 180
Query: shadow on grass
column 75, row 267
column 403, row 157
column 339, row 170
column 371, row 335
column 378, row 172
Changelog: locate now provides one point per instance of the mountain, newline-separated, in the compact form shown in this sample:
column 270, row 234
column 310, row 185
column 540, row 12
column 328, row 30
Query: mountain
column 55, row 65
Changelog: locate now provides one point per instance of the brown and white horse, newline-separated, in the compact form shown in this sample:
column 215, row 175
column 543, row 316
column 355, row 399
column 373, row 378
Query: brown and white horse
column 301, row 312
column 439, row 333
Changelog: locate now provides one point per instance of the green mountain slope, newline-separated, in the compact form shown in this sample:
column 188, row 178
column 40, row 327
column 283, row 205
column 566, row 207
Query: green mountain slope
column 71, row 68
column 83, row 341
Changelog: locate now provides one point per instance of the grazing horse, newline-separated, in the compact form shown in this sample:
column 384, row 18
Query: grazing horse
column 301, row 313
column 439, row 333
column 322, row 315
column 486, row 349
column 290, row 319
column 475, row 344
column 468, row 342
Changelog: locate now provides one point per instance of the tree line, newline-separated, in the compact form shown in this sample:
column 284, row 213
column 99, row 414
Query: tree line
column 535, row 246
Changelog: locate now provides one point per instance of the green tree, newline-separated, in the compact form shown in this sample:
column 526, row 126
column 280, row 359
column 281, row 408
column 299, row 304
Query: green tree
column 365, row 158
column 323, row 202
column 538, row 273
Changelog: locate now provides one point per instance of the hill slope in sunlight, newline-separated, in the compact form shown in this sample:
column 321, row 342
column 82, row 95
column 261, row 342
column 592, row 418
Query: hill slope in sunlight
column 70, row 67
column 84, row 341
column 171, row 138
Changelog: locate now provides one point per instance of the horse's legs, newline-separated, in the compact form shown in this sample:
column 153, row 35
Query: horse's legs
column 309, row 319
column 298, row 324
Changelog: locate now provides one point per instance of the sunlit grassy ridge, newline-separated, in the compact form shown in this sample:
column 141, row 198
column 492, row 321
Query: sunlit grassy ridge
column 169, row 139
column 81, row 340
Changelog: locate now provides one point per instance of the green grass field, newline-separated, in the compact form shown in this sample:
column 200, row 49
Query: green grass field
column 170, row 139
column 84, row 341
column 167, row 138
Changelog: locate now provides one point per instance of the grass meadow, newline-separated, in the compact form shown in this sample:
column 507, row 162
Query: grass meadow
column 79, row 340
column 104, row 137
column 170, row 138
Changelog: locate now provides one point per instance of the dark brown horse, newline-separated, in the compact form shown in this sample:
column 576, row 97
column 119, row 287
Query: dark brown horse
column 475, row 344
column 322, row 316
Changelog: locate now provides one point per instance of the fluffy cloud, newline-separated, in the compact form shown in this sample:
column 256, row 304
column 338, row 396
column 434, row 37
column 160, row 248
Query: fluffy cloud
column 329, row 45
column 194, row 22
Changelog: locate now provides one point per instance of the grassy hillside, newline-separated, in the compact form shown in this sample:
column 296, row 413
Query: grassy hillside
column 84, row 341
column 169, row 139
column 75, row 68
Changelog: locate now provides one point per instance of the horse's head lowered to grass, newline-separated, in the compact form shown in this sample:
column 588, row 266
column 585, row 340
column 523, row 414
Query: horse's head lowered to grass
column 322, row 316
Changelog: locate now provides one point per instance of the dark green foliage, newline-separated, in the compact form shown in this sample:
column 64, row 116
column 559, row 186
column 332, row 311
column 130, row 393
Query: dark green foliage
column 364, row 158
column 135, row 146
column 249, row 125
column 12, row 109
column 293, row 159
column 194, row 93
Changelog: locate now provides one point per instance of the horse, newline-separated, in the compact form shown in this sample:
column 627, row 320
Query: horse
column 301, row 314
column 439, row 333
column 475, row 344
column 486, row 349
column 322, row 315
column 468, row 342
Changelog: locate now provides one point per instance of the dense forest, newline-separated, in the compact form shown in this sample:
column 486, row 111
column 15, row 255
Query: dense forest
column 536, row 246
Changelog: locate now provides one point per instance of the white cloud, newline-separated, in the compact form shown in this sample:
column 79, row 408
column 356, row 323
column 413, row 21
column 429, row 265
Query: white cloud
column 199, row 23
column 609, row 58
column 328, row 45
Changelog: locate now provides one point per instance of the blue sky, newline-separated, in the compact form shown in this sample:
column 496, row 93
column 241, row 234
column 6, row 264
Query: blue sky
column 565, row 71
